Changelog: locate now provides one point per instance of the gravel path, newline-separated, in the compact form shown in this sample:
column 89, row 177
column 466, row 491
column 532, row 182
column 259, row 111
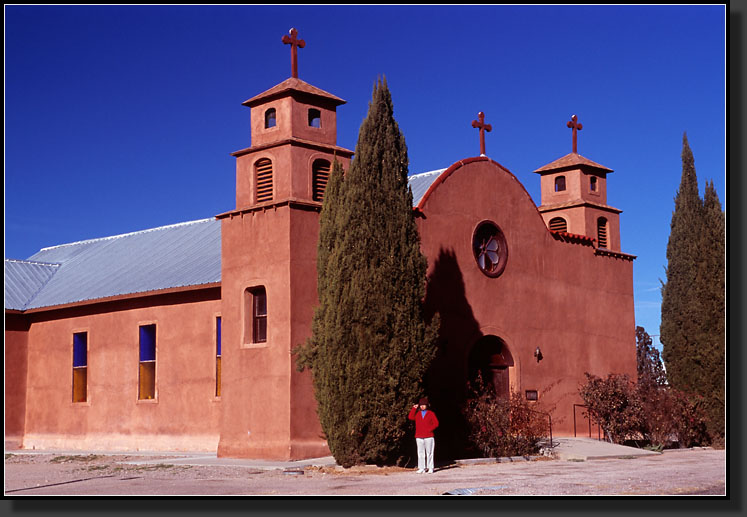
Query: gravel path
column 698, row 471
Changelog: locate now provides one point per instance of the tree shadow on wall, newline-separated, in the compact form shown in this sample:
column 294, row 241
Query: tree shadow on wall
column 446, row 380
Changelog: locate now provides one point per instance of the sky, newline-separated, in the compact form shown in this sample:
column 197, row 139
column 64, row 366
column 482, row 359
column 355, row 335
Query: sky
column 123, row 118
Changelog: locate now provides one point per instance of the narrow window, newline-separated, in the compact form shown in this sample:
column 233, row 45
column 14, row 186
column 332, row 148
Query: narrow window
column 80, row 367
column 255, row 311
column 260, row 316
column 320, row 177
column 602, row 232
column 559, row 183
column 270, row 119
column 558, row 224
column 315, row 118
column 147, row 382
column 263, row 170
column 593, row 184
column 217, row 356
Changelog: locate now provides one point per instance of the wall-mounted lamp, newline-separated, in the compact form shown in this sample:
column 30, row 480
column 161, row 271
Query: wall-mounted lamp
column 538, row 354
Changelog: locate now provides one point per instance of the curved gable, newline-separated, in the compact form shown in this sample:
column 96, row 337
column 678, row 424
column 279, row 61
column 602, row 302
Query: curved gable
column 436, row 179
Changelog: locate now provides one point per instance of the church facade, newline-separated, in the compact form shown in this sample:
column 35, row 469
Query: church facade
column 181, row 337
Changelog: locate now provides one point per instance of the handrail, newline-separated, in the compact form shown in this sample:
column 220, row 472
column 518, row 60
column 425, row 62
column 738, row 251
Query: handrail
column 590, row 415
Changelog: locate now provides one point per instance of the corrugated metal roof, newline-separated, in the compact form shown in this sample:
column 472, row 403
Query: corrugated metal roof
column 419, row 183
column 179, row 255
column 23, row 279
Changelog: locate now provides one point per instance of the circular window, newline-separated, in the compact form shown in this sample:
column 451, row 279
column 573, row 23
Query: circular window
column 489, row 247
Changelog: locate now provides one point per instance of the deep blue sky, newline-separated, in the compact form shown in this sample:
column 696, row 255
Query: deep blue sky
column 123, row 118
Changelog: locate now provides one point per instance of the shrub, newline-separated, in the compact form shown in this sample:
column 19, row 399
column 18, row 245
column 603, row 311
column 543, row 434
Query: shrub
column 614, row 404
column 689, row 420
column 659, row 414
column 504, row 427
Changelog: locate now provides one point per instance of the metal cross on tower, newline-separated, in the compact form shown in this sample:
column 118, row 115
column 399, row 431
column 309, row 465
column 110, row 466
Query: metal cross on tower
column 294, row 43
column 482, row 126
column 576, row 126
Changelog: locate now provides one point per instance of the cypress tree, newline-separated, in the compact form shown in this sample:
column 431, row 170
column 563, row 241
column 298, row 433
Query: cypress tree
column 370, row 346
column 681, row 312
column 713, row 336
column 693, row 299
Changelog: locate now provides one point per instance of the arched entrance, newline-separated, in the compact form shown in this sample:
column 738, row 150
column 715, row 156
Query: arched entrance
column 491, row 359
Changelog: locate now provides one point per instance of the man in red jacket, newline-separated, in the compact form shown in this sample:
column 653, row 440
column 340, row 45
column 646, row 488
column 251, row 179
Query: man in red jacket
column 425, row 423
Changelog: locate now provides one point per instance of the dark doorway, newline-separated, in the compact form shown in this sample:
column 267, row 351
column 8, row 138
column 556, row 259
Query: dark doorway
column 490, row 359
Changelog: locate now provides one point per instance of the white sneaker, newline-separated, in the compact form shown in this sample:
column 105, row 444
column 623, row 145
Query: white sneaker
column 430, row 471
column 420, row 471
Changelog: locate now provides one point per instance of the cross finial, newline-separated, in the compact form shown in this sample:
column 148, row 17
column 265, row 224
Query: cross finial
column 294, row 43
column 576, row 126
column 482, row 126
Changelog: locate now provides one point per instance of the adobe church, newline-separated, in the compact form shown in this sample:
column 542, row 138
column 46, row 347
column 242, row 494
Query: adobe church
column 180, row 337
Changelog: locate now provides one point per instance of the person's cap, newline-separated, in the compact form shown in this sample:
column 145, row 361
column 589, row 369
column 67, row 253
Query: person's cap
column 424, row 401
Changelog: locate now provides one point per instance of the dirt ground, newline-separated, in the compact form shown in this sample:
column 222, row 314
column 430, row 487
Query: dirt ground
column 690, row 472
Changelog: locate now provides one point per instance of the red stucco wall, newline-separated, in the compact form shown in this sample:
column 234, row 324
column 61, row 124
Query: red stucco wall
column 269, row 408
column 183, row 416
column 16, row 352
column 576, row 306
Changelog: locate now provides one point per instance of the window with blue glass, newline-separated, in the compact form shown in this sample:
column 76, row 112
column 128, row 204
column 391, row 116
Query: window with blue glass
column 147, row 370
column 217, row 356
column 80, row 367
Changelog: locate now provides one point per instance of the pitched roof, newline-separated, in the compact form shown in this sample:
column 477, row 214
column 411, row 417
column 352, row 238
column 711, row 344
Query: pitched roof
column 419, row 183
column 179, row 255
column 292, row 84
column 23, row 279
column 572, row 160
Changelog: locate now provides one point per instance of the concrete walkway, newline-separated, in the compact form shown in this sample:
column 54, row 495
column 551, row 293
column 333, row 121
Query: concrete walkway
column 568, row 449
column 582, row 449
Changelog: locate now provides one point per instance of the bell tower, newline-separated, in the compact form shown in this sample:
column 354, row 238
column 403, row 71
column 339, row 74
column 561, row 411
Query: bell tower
column 268, row 270
column 293, row 126
column 574, row 197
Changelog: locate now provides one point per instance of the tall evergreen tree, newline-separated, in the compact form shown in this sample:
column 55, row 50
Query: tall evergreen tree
column 692, row 328
column 370, row 346
column 712, row 281
column 681, row 311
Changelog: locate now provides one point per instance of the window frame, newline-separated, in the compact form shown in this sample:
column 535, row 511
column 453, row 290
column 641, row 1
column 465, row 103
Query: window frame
column 271, row 112
column 253, row 321
column 314, row 114
column 218, row 350
column 558, row 182
column 76, row 369
column 482, row 229
column 147, row 366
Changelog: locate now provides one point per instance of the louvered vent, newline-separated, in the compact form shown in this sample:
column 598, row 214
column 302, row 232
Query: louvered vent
column 558, row 224
column 602, row 232
column 320, row 177
column 264, row 180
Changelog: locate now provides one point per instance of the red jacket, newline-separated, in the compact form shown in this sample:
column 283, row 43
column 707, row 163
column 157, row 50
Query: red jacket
column 424, row 426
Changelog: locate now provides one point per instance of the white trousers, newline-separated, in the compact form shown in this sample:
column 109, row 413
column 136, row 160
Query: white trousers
column 426, row 447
